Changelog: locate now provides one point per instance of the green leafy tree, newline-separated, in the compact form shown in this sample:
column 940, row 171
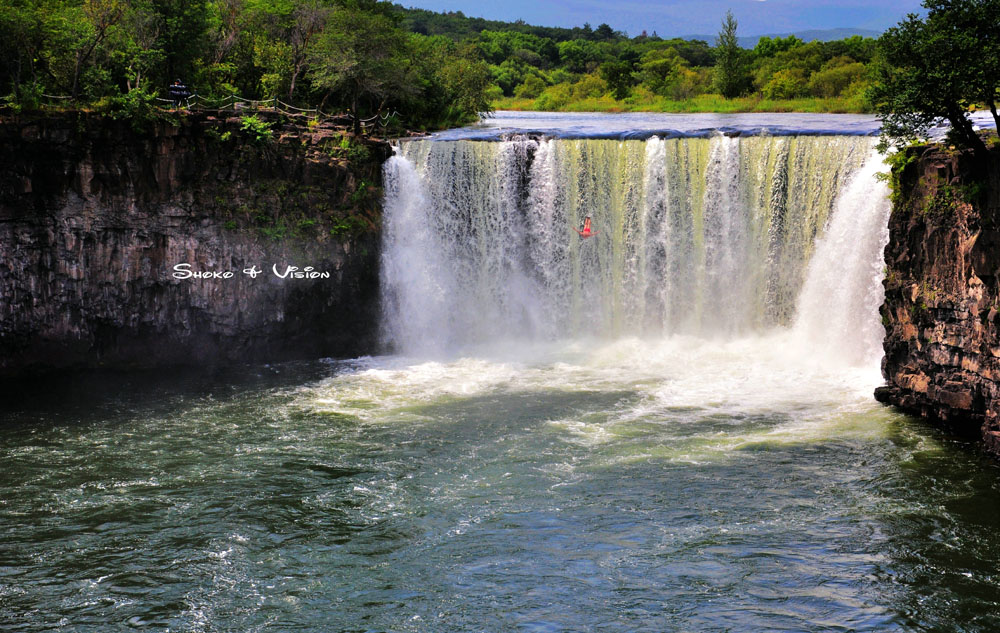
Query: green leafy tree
column 510, row 74
column 136, row 50
column 604, row 32
column 363, row 56
column 731, row 76
column 787, row 83
column 660, row 70
column 97, row 19
column 938, row 68
column 580, row 55
column 769, row 47
column 836, row 76
column 860, row 49
column 619, row 77
column 308, row 21
column 803, row 59
column 184, row 37
column 498, row 46
column 23, row 37
column 453, row 83
column 695, row 52
column 466, row 83
column 589, row 86
column 974, row 28
column 531, row 88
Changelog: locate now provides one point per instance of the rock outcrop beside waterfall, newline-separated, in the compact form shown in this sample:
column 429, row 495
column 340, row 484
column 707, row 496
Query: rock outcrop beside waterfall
column 94, row 215
column 942, row 292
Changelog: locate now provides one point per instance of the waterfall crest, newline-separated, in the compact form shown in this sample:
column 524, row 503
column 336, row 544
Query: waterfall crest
column 702, row 236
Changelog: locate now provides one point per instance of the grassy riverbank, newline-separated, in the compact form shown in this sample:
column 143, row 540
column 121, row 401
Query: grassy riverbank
column 702, row 103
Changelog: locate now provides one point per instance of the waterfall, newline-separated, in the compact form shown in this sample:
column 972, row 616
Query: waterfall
column 712, row 237
column 839, row 302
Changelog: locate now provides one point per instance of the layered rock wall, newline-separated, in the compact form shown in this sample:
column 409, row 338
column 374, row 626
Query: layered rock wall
column 95, row 214
column 942, row 303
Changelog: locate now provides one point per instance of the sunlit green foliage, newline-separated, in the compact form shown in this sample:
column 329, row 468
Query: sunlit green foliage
column 372, row 57
column 939, row 67
column 362, row 56
column 731, row 77
column 660, row 69
column 618, row 76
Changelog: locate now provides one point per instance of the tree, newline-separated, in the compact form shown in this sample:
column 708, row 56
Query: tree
column 308, row 21
column 604, row 32
column 362, row 55
column 836, row 76
column 660, row 69
column 229, row 18
column 580, row 55
column 974, row 28
column 99, row 17
column 498, row 46
column 22, row 38
column 787, row 83
column 619, row 77
column 466, row 82
column 184, row 36
column 532, row 86
column 938, row 68
column 767, row 47
column 730, row 61
column 454, row 84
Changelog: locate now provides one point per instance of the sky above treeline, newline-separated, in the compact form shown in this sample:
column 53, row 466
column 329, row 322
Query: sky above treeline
column 688, row 17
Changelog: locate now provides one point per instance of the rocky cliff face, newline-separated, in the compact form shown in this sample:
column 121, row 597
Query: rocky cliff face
column 94, row 216
column 942, row 303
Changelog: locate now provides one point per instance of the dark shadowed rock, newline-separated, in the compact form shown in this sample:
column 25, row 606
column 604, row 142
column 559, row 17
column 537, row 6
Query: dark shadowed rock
column 94, row 216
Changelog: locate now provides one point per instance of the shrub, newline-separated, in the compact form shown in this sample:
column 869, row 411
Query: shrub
column 531, row 88
column 785, row 84
column 258, row 129
column 136, row 106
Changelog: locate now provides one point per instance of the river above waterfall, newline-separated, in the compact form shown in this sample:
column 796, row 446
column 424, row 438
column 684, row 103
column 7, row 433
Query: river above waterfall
column 667, row 426
column 642, row 125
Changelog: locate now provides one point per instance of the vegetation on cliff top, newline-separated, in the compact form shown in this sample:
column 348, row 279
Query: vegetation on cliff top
column 371, row 56
column 938, row 67
column 119, row 56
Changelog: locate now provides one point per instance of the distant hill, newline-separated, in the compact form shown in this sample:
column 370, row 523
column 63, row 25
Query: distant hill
column 823, row 35
column 457, row 26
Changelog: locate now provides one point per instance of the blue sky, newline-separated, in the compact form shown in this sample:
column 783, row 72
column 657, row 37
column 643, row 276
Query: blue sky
column 685, row 17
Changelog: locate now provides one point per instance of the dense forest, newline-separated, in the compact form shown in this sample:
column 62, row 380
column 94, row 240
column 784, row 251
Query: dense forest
column 120, row 56
column 371, row 57
column 585, row 68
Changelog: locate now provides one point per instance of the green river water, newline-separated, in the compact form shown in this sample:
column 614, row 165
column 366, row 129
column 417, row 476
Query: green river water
column 721, row 487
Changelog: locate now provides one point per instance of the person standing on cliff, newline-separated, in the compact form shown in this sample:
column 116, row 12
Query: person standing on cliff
column 178, row 92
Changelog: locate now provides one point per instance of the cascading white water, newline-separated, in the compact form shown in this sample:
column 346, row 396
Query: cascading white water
column 705, row 236
column 839, row 302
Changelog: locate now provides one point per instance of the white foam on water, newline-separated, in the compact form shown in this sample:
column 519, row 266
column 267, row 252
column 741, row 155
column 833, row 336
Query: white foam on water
column 733, row 279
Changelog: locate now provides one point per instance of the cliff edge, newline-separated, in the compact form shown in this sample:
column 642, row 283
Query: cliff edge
column 942, row 291
column 95, row 214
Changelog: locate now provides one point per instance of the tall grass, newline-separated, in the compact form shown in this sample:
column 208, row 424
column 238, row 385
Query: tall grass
column 701, row 103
